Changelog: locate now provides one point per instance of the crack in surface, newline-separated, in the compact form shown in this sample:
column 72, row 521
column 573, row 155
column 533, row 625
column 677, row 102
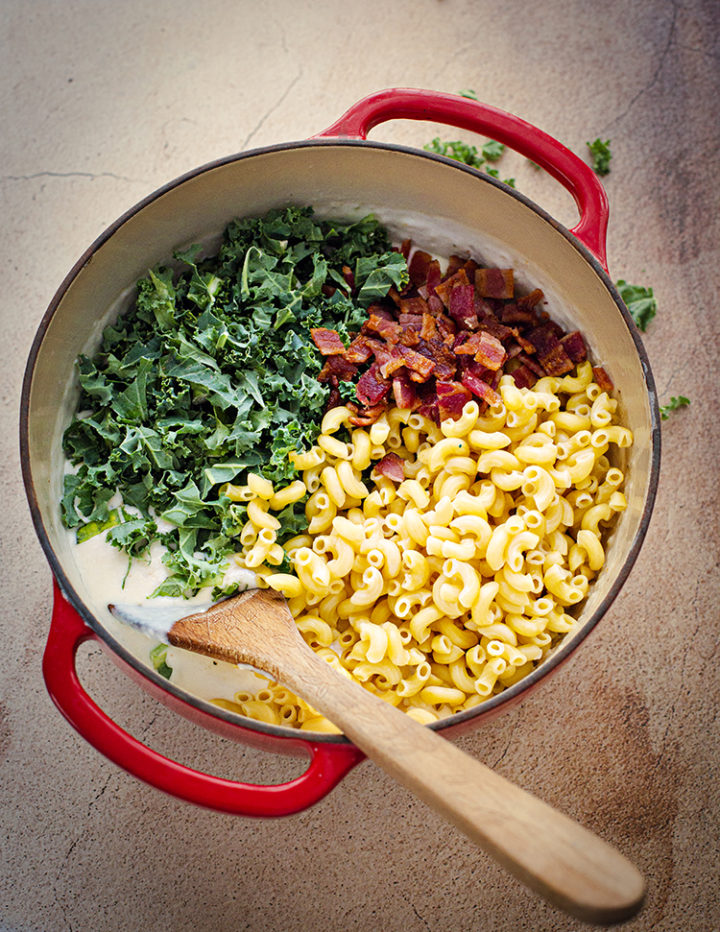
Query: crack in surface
column 272, row 109
column 91, row 175
column 656, row 75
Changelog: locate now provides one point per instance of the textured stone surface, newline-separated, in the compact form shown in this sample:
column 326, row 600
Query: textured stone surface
column 102, row 103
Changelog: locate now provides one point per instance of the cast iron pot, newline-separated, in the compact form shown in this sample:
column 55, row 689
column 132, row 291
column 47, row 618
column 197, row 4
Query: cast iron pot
column 339, row 172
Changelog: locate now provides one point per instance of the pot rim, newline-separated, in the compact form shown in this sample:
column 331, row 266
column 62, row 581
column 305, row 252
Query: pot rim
column 560, row 654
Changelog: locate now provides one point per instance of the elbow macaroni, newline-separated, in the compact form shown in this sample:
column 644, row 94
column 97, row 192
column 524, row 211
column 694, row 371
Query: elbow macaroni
column 443, row 589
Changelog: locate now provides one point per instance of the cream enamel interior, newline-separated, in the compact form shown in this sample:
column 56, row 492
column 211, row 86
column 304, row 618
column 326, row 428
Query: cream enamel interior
column 444, row 209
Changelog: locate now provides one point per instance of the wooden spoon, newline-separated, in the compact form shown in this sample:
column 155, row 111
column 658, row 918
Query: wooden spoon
column 555, row 856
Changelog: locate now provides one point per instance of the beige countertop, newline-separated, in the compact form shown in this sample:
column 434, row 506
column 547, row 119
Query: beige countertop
column 104, row 102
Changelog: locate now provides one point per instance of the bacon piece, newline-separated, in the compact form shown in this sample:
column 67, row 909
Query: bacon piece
column 494, row 283
column 525, row 344
column 392, row 362
column 429, row 327
column 434, row 276
column 363, row 417
column 545, row 337
column 494, row 327
column 327, row 341
column 451, row 398
column 491, row 353
column 404, row 391
column 574, row 346
column 445, row 288
column 349, row 276
column 415, row 306
column 462, row 307
column 405, row 248
column 480, row 388
column 514, row 314
column 530, row 300
column 557, row 361
column 603, row 379
column 446, row 328
column 435, row 305
column 524, row 377
column 334, row 399
column 390, row 330
column 358, row 351
column 467, row 345
column 418, row 267
column 532, row 364
column 391, row 466
column 337, row 368
column 430, row 410
column 441, row 355
column 418, row 362
column 372, row 387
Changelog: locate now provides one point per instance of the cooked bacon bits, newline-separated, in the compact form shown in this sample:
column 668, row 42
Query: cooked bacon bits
column 327, row 341
column 603, row 379
column 391, row 466
column 495, row 283
column 447, row 338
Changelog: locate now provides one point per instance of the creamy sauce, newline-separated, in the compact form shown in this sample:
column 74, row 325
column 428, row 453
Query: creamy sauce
column 104, row 571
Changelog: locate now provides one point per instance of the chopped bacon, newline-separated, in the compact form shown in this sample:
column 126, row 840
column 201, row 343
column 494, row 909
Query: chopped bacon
column 435, row 305
column 514, row 314
column 416, row 305
column 391, row 362
column 451, row 398
column 404, row 391
column 337, row 368
column 388, row 329
column 557, row 361
column 365, row 416
column 418, row 362
column 532, row 364
column 371, row 386
column 445, row 288
column 491, row 353
column 418, row 268
column 530, row 300
column 391, row 466
column 603, row 379
column 444, row 339
column 348, row 275
column 429, row 327
column 358, row 351
column 327, row 341
column 494, row 283
column 575, row 346
column 462, row 307
column 467, row 344
column 494, row 327
column 524, row 377
column 480, row 388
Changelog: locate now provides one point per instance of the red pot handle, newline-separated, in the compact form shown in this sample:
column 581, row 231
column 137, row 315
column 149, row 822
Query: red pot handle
column 328, row 765
column 463, row 113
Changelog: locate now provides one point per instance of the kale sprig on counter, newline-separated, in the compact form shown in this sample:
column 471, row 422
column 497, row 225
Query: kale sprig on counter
column 213, row 373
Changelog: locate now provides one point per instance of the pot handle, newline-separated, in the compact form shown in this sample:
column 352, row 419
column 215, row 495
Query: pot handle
column 463, row 113
column 328, row 764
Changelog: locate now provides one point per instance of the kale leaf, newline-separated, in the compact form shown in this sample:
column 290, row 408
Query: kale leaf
column 640, row 301
column 601, row 155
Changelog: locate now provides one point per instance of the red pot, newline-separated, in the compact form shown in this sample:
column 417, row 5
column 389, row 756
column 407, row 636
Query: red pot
column 408, row 189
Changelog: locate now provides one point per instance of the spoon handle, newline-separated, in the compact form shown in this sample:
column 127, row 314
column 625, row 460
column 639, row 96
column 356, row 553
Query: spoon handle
column 554, row 855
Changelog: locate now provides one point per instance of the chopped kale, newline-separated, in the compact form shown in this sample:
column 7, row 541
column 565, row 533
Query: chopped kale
column 680, row 402
column 640, row 301
column 211, row 374
column 601, row 155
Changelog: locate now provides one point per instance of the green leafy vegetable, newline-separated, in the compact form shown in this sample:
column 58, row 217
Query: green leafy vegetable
column 469, row 155
column 210, row 374
column 468, row 93
column 601, row 155
column 158, row 658
column 680, row 402
column 640, row 301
